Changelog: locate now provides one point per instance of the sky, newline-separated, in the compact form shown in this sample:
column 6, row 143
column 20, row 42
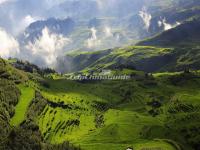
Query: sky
column 15, row 15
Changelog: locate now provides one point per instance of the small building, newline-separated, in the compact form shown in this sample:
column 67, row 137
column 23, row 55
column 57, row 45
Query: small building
column 105, row 72
column 129, row 148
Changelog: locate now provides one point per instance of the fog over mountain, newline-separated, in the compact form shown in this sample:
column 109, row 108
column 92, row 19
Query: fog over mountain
column 66, row 25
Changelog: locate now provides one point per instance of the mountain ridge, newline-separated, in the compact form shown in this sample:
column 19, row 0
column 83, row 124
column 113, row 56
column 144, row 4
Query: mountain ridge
column 186, row 32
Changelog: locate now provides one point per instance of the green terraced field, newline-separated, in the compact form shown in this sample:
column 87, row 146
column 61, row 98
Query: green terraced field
column 158, row 111
column 27, row 95
column 117, row 114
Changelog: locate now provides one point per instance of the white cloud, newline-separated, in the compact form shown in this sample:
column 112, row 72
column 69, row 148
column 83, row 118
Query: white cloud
column 3, row 1
column 28, row 20
column 160, row 23
column 23, row 23
column 104, row 3
column 100, row 4
column 167, row 26
column 146, row 17
column 47, row 48
column 108, row 32
column 93, row 41
column 9, row 47
column 51, row 3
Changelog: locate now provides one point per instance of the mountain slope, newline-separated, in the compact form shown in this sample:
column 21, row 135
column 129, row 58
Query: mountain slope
column 173, row 15
column 25, row 135
column 59, row 26
column 143, row 58
column 186, row 33
column 144, row 112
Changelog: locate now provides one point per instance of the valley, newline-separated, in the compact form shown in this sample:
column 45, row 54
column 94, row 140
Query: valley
column 146, row 111
column 49, row 100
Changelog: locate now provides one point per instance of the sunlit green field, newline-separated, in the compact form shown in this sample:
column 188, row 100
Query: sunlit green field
column 27, row 95
column 116, row 114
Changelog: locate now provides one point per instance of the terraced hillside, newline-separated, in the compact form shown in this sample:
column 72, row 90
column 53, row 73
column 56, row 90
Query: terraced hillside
column 156, row 108
column 143, row 58
column 159, row 111
column 17, row 130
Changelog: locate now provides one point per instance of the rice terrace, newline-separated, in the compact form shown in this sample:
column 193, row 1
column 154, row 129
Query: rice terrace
column 99, row 75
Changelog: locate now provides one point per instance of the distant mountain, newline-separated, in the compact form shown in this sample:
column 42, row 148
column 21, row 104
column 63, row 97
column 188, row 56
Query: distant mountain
column 59, row 26
column 186, row 33
column 168, row 22
column 105, row 16
column 163, row 18
column 172, row 16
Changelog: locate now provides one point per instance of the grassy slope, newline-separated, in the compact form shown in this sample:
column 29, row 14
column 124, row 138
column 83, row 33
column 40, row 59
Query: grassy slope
column 13, row 92
column 122, row 129
column 119, row 114
column 126, row 121
column 139, row 57
column 144, row 58
column 27, row 95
